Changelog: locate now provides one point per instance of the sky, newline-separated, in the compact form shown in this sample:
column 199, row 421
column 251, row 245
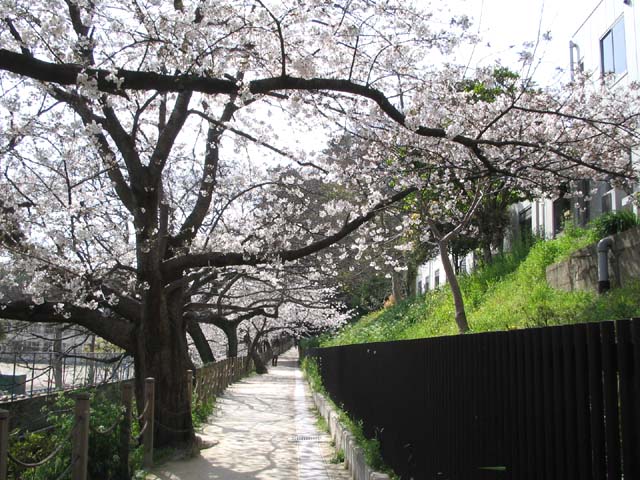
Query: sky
column 506, row 24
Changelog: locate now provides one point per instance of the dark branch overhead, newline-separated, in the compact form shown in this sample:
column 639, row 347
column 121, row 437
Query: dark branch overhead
column 114, row 329
column 174, row 266
column 67, row 74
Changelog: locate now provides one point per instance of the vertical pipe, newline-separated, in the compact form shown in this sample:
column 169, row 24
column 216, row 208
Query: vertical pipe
column 604, row 283
column 80, row 447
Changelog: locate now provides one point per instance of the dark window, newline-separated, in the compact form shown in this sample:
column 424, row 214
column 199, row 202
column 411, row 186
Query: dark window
column 524, row 223
column 420, row 287
column 606, row 203
column 561, row 209
column 613, row 52
column 436, row 279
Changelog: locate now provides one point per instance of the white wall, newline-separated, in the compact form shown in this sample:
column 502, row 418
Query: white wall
column 593, row 20
column 428, row 271
column 596, row 24
column 587, row 37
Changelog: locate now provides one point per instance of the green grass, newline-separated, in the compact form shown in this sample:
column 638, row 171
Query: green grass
column 370, row 446
column 510, row 293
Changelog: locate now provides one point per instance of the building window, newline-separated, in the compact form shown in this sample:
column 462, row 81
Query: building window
column 613, row 52
column 607, row 204
column 420, row 287
column 561, row 212
column 436, row 279
column 525, row 225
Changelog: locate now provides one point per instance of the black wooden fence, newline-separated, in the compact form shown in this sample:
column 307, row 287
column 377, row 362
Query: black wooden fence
column 547, row 403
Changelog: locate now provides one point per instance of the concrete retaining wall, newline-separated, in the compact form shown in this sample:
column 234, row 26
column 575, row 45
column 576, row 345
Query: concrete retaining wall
column 580, row 270
column 353, row 455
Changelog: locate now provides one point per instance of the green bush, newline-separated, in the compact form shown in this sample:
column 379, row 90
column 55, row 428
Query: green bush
column 104, row 459
column 201, row 409
column 614, row 222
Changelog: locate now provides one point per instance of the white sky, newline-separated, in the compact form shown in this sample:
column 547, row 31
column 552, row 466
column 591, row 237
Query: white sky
column 506, row 24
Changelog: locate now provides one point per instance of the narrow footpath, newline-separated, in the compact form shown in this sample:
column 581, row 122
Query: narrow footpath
column 266, row 430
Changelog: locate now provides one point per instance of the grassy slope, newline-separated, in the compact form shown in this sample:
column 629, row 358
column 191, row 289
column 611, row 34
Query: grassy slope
column 511, row 293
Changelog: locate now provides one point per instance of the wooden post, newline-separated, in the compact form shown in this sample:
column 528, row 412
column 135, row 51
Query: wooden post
column 80, row 446
column 126, row 395
column 190, row 386
column 149, row 400
column 4, row 443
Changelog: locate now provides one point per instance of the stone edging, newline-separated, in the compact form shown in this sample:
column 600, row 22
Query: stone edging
column 353, row 455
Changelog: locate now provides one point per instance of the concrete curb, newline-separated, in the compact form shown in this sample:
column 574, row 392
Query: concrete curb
column 353, row 455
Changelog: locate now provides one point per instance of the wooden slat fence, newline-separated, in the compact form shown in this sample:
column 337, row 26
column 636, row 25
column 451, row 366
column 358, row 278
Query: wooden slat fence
column 547, row 403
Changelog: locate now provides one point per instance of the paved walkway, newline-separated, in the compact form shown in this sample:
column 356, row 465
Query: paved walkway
column 266, row 431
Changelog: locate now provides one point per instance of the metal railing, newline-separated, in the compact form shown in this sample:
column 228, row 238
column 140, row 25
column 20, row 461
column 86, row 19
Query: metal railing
column 26, row 374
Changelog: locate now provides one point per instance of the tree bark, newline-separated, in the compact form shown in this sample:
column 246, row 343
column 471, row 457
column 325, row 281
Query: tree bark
column 232, row 341
column 487, row 256
column 461, row 316
column 412, row 276
column 200, row 342
column 261, row 368
column 162, row 353
column 396, row 285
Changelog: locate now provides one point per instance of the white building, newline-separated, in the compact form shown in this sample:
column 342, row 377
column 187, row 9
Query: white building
column 606, row 41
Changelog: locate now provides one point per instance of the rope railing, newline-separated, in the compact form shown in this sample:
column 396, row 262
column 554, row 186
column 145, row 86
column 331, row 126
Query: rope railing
column 106, row 431
column 45, row 460
column 145, row 410
column 212, row 379
column 143, row 430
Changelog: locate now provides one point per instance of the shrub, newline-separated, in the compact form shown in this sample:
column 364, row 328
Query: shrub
column 103, row 447
column 201, row 409
column 614, row 222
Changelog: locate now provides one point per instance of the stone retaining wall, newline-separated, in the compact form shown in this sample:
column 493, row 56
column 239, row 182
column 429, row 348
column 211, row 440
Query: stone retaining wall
column 580, row 270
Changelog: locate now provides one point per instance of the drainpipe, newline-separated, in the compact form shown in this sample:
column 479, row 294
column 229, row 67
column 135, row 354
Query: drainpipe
column 574, row 62
column 604, row 284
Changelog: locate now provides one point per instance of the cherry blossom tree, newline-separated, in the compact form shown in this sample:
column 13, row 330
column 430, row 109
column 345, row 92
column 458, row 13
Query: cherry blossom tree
column 132, row 139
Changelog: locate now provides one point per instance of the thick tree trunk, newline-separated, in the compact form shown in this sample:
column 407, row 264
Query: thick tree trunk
column 487, row 256
column 230, row 329
column 162, row 353
column 261, row 368
column 396, row 285
column 200, row 342
column 461, row 316
column 232, row 340
column 412, row 276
